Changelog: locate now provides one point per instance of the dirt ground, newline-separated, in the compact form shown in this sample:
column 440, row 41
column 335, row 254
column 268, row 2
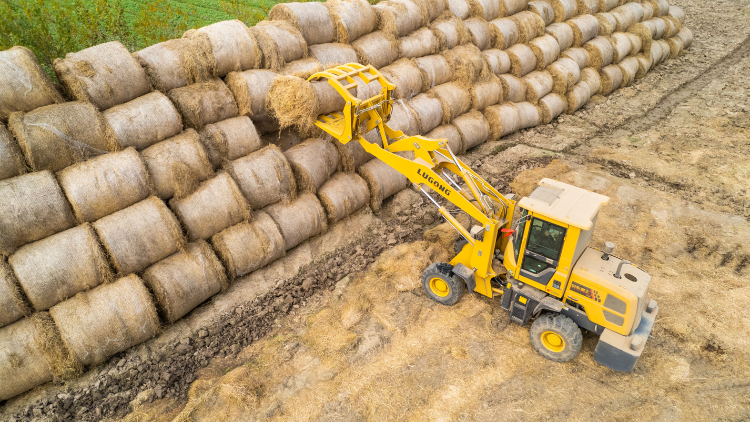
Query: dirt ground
column 353, row 337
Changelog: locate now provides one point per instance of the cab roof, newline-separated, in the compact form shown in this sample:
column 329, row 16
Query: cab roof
column 561, row 201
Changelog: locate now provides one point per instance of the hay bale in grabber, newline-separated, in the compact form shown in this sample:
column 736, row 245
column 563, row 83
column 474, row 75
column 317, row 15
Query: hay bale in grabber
column 264, row 177
column 248, row 246
column 342, row 195
column 24, row 85
column 313, row 162
column 300, row 219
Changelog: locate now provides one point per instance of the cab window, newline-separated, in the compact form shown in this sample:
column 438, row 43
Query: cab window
column 545, row 241
column 518, row 235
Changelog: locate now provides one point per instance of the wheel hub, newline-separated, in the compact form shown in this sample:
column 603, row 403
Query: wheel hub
column 553, row 341
column 439, row 287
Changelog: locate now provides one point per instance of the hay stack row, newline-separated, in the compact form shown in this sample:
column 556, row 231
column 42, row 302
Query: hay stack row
column 157, row 178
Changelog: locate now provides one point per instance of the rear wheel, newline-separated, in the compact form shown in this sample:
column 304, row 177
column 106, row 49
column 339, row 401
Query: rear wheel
column 441, row 285
column 556, row 337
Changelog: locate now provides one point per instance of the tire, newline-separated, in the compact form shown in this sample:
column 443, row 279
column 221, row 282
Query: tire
column 441, row 285
column 556, row 337
column 459, row 245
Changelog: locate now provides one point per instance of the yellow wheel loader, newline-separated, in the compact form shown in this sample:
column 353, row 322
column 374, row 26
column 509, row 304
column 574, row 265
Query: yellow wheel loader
column 541, row 267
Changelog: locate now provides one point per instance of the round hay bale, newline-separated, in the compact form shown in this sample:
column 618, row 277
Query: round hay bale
column 264, row 177
column 578, row 55
column 565, row 73
column 592, row 78
column 522, row 60
column 140, row 235
column 503, row 119
column 302, row 68
column 661, row 7
column 106, row 184
column 529, row 115
column 664, row 53
column 311, row 19
column 648, row 11
column 107, row 320
column 505, row 32
column 230, row 139
column 250, row 88
column 607, row 23
column 578, row 96
column 585, row 28
column 451, row 135
column 564, row 9
column 184, row 280
column 545, row 49
column 105, row 75
column 460, row 8
column 376, row 49
column 587, row 7
column 353, row 154
column 643, row 31
column 248, row 246
column 673, row 26
column 611, row 79
column 343, row 195
column 621, row 46
column 485, row 94
column 313, row 162
column 485, row 9
column 332, row 54
column 451, row 31
column 32, row 208
column 607, row 5
column 214, row 206
column 434, row 8
column 627, row 15
column 420, row 43
column 636, row 44
column 24, row 85
column 407, row 77
column 657, row 27
column 677, row 13
column 629, row 68
column 57, row 267
column 280, row 43
column 544, row 10
column 600, row 52
column 299, row 219
column 382, row 181
column 55, row 136
column 473, row 128
column 204, row 103
column 24, row 362
column 514, row 89
column 530, row 25
column 293, row 101
column 144, row 121
column 497, row 61
column 435, row 70
column 454, row 98
column 686, row 36
column 403, row 118
column 429, row 111
column 552, row 105
column 538, row 84
column 480, row 33
column 231, row 44
column 13, row 302
column 353, row 19
column 284, row 139
column 12, row 162
column 399, row 18
column 162, row 158
column 176, row 63
column 511, row 7
column 562, row 33
column 644, row 65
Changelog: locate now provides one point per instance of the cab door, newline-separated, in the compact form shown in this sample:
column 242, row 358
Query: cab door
column 541, row 255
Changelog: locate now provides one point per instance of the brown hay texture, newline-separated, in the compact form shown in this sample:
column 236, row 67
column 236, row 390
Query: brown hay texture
column 204, row 103
column 376, row 49
column 467, row 63
column 421, row 42
column 302, row 68
column 636, row 44
column 382, row 180
column 566, row 73
column 552, row 105
column 564, row 9
column 545, row 49
column 299, row 219
column 13, row 303
column 480, row 33
column 12, row 162
column 473, row 128
column 353, row 19
column 529, row 115
column 585, row 28
column 144, row 121
column 293, row 101
column 32, row 208
column 429, row 111
column 538, row 85
column 435, row 70
column 514, row 89
column 176, row 63
column 460, row 8
column 503, row 119
column 407, row 77
column 607, row 5
column 55, row 136
column 343, row 195
column 105, row 75
column 284, row 139
column 626, row 15
column 661, row 7
column 233, row 46
column 161, row 159
column 522, row 60
column 607, row 23
column 109, row 319
column 55, row 268
column 216, row 204
column 578, row 96
column 230, row 139
column 485, row 94
column 611, row 79
column 621, row 46
column 250, row 88
column 140, row 235
column 105, row 184
column 353, row 154
column 511, row 7
column 505, row 32
column 184, row 280
column 333, row 54
column 587, row 7
column 400, row 18
column 485, row 9
column 246, row 247
column 648, row 11
column 497, row 60
column 600, row 52
column 24, row 85
column 578, row 55
column 592, row 78
column 454, row 98
column 311, row 19
column 434, row 8
column 264, row 177
column 530, row 25
column 280, row 42
column 544, row 10
column 629, row 68
column 404, row 118
column 313, row 162
column 451, row 31
column 24, row 364
column 451, row 135
column 562, row 33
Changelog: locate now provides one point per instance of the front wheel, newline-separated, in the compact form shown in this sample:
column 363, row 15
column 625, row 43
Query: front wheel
column 556, row 337
column 441, row 285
